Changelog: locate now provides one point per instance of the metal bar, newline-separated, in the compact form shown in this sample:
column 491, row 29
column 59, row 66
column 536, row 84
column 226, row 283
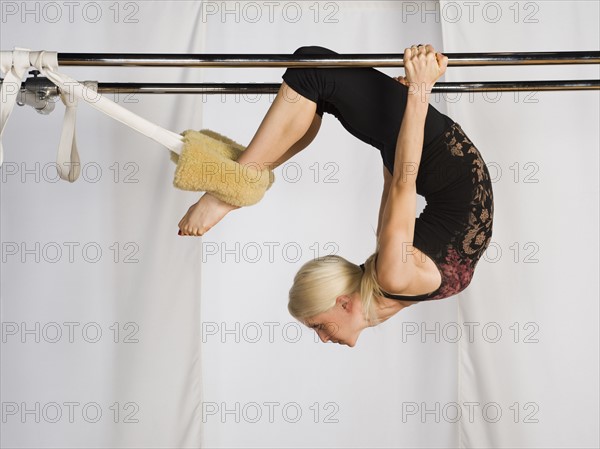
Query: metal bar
column 232, row 88
column 241, row 88
column 318, row 60
column 47, row 88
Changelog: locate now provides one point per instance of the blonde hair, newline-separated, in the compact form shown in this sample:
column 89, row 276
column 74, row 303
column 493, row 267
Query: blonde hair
column 320, row 281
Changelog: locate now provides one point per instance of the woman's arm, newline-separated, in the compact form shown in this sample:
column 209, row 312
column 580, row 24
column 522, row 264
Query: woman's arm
column 410, row 140
column 387, row 181
column 396, row 261
column 396, row 267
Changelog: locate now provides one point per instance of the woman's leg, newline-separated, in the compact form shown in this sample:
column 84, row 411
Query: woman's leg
column 368, row 103
column 288, row 127
column 304, row 141
column 287, row 122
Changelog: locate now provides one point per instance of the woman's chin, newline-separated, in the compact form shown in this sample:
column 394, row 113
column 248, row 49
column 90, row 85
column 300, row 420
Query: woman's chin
column 350, row 343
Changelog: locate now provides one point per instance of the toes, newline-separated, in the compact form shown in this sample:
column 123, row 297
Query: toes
column 194, row 232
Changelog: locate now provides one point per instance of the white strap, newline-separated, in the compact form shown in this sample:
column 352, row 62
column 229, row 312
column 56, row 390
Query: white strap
column 67, row 158
column 14, row 65
column 47, row 63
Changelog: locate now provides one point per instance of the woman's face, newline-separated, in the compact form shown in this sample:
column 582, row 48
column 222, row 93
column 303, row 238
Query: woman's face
column 342, row 323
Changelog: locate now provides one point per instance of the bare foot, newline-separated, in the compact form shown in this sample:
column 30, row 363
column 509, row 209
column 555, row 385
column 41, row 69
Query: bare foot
column 203, row 215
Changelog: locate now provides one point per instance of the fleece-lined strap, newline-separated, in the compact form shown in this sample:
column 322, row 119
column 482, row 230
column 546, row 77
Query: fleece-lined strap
column 208, row 164
column 206, row 161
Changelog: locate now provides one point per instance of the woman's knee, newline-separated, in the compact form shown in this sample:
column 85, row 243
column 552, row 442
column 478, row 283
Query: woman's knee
column 312, row 49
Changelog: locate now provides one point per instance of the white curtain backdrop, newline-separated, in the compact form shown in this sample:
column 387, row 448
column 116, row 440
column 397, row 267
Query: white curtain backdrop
column 116, row 332
column 538, row 284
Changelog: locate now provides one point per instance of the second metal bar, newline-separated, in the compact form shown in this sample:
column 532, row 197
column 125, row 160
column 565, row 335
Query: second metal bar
column 232, row 88
column 44, row 87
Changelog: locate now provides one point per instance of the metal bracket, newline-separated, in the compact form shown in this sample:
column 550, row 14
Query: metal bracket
column 42, row 94
column 38, row 92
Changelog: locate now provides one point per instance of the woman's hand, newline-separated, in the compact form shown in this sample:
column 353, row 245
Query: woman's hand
column 402, row 80
column 203, row 215
column 423, row 67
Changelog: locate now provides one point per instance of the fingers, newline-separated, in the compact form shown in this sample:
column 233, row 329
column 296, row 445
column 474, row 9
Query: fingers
column 427, row 51
column 418, row 51
column 423, row 66
column 421, row 49
column 442, row 61
column 402, row 80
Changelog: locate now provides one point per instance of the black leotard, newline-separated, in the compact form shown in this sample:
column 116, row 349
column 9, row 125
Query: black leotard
column 455, row 227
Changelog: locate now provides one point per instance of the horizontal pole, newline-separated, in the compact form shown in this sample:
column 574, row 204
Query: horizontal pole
column 233, row 88
column 47, row 88
column 318, row 60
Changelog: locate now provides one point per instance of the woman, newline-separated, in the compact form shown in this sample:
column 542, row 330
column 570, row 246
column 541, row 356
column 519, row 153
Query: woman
column 423, row 151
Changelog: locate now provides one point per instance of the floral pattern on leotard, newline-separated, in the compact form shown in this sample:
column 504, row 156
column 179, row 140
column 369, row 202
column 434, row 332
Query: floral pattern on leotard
column 479, row 234
column 462, row 254
column 457, row 273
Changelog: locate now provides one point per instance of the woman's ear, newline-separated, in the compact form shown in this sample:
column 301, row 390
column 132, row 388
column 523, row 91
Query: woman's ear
column 343, row 301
